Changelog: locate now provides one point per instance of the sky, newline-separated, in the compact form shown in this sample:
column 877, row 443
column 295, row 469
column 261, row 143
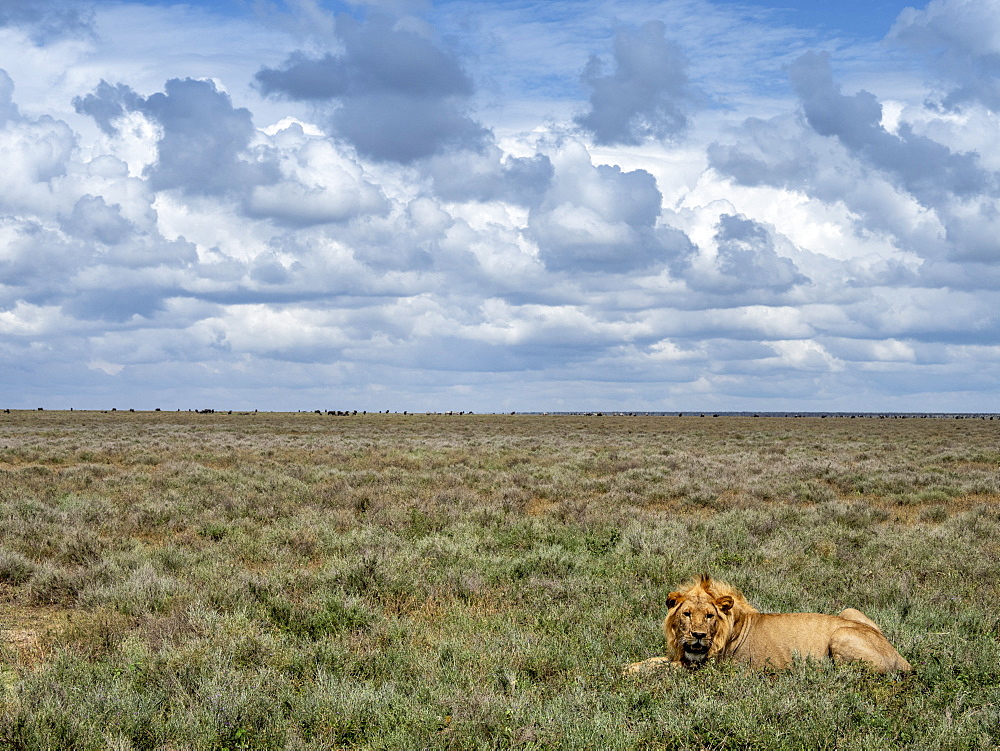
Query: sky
column 495, row 206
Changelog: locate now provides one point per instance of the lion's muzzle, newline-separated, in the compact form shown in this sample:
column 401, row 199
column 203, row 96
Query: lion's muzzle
column 696, row 646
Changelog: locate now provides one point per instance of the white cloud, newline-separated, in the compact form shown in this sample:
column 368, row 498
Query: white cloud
column 668, row 351
column 108, row 368
column 741, row 236
column 963, row 38
column 800, row 354
column 760, row 323
column 134, row 145
column 27, row 320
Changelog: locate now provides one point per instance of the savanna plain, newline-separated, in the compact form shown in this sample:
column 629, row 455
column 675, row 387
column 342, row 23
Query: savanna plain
column 174, row 580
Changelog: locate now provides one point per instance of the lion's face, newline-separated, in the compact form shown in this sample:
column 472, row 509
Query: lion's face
column 698, row 625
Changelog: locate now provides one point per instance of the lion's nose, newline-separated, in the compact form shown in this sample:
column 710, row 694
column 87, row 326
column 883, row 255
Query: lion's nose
column 699, row 635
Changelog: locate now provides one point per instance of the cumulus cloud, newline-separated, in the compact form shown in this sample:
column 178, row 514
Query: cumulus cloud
column 93, row 219
column 205, row 140
column 647, row 95
column 962, row 39
column 203, row 145
column 927, row 169
column 746, row 259
column 114, row 304
column 48, row 19
column 973, row 230
column 108, row 104
column 602, row 218
column 95, row 267
column 915, row 191
column 398, row 96
column 206, row 146
column 319, row 185
column 490, row 175
column 79, row 238
column 34, row 152
column 8, row 110
column 854, row 201
column 766, row 152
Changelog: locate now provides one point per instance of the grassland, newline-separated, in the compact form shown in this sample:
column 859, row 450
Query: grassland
column 177, row 580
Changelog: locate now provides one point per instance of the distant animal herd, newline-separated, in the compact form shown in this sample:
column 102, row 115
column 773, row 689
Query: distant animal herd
column 852, row 416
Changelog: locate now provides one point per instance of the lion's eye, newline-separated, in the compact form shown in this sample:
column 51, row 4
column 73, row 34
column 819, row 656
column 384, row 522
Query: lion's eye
column 709, row 616
column 687, row 614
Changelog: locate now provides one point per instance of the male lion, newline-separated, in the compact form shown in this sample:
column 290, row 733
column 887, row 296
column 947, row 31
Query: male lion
column 711, row 619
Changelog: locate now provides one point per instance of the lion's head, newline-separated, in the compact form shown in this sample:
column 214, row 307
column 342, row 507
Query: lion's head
column 700, row 620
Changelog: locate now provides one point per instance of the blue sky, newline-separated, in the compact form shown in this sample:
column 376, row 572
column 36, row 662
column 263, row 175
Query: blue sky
column 496, row 206
column 859, row 18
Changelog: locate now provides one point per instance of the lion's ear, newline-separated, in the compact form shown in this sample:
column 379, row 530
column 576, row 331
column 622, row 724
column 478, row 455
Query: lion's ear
column 673, row 599
column 725, row 604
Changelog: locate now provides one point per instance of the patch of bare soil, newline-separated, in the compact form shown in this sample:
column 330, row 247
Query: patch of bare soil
column 23, row 630
column 538, row 506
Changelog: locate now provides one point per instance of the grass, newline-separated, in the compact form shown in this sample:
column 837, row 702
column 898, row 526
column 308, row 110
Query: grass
column 178, row 580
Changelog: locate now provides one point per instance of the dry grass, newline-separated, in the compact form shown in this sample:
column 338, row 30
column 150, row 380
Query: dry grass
column 390, row 581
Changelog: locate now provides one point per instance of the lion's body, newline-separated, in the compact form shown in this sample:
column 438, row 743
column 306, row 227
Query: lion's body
column 712, row 620
column 775, row 639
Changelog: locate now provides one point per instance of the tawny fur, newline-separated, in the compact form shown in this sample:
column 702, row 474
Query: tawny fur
column 712, row 620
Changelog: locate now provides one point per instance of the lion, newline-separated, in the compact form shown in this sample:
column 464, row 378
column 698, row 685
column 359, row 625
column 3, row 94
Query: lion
column 713, row 620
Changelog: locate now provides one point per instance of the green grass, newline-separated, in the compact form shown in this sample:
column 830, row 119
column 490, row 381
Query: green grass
column 174, row 580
